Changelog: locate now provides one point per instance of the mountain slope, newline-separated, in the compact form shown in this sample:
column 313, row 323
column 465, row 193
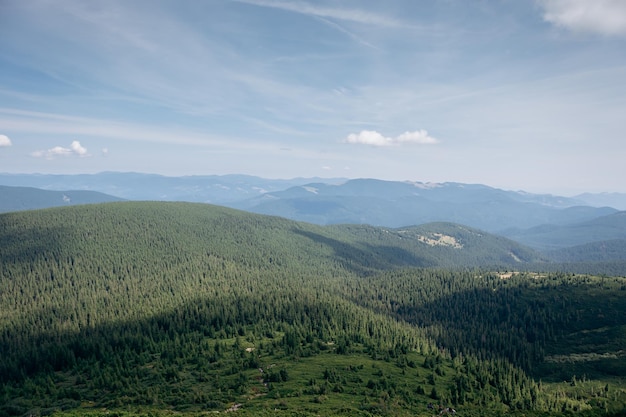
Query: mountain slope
column 546, row 237
column 160, row 308
column 616, row 200
column 602, row 251
column 234, row 234
column 397, row 204
column 440, row 245
column 28, row 198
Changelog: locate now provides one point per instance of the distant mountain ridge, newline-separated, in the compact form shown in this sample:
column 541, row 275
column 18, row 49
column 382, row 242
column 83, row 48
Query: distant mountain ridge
column 214, row 189
column 28, row 198
column 542, row 221
column 553, row 237
column 219, row 189
column 396, row 204
column 615, row 200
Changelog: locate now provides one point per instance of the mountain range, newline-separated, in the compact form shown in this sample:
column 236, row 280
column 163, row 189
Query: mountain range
column 564, row 229
column 213, row 189
column 395, row 204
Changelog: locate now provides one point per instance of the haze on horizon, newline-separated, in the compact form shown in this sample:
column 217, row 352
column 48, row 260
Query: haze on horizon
column 526, row 95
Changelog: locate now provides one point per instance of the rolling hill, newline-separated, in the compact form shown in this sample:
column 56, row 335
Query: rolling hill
column 28, row 198
column 364, row 247
column 552, row 237
column 152, row 308
column 604, row 251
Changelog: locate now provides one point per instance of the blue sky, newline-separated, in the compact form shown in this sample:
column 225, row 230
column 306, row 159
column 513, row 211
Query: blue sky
column 516, row 94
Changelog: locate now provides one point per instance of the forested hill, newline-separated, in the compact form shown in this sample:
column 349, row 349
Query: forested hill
column 165, row 229
column 156, row 309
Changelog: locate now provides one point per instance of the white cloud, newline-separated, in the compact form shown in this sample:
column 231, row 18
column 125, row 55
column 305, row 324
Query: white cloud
column 419, row 136
column 5, row 141
column 373, row 138
column 606, row 17
column 78, row 149
column 369, row 137
column 75, row 149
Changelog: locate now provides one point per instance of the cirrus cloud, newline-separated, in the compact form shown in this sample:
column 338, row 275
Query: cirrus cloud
column 606, row 17
column 75, row 149
column 313, row 9
column 5, row 141
column 373, row 138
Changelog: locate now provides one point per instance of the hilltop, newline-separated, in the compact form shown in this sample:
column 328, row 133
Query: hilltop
column 366, row 248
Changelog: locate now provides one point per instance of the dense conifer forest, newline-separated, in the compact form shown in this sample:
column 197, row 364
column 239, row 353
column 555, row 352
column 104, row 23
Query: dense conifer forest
column 151, row 309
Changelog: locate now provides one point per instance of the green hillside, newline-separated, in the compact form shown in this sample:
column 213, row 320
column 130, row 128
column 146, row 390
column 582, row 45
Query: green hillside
column 168, row 308
column 603, row 251
column 552, row 237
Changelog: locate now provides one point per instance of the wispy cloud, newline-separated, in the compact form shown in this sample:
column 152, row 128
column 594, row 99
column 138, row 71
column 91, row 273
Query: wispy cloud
column 352, row 15
column 75, row 149
column 118, row 51
column 59, row 124
column 5, row 141
column 52, row 123
column 606, row 17
column 373, row 138
column 347, row 32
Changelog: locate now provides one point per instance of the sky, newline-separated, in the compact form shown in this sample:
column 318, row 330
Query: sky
column 516, row 94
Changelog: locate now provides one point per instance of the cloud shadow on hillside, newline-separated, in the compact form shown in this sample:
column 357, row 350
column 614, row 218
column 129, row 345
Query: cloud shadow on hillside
column 26, row 245
column 369, row 258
